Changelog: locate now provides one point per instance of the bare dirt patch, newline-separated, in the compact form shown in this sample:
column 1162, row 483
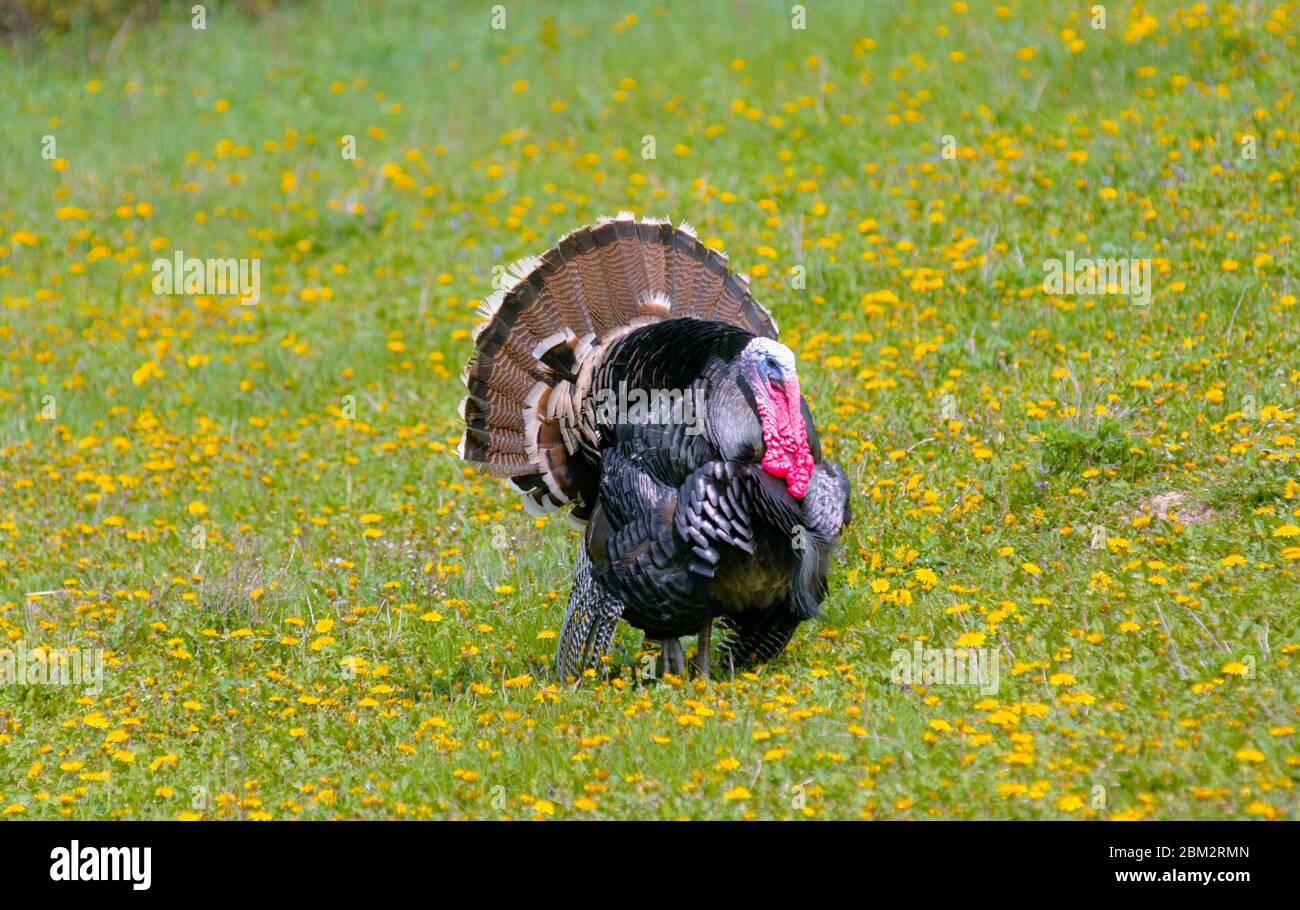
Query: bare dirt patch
column 1176, row 504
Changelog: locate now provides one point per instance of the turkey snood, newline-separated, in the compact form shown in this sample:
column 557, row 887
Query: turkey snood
column 779, row 405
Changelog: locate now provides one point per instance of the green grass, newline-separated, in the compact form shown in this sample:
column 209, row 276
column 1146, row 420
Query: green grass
column 309, row 609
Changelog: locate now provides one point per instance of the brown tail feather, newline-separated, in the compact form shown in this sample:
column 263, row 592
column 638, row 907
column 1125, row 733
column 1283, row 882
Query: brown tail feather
column 548, row 325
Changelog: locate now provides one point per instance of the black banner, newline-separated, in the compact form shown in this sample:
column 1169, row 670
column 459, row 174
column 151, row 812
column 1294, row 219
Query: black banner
column 143, row 859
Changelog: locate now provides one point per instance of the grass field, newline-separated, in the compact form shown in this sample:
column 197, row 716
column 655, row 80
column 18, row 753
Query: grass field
column 308, row 608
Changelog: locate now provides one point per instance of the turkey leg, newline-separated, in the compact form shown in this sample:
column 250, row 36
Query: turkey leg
column 674, row 659
column 701, row 658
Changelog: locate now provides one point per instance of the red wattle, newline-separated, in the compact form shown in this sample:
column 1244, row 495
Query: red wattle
column 785, row 438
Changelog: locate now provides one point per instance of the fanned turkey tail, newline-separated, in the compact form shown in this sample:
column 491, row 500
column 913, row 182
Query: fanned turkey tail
column 546, row 329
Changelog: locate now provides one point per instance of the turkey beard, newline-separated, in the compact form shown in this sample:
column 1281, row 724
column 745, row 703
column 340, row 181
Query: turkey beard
column 785, row 438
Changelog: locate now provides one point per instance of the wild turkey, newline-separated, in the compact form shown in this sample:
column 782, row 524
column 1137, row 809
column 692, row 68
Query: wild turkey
column 629, row 374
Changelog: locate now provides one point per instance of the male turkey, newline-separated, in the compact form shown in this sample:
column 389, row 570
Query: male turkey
column 629, row 374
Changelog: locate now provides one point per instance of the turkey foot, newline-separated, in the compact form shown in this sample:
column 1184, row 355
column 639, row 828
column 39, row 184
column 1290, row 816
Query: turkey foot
column 701, row 659
column 673, row 658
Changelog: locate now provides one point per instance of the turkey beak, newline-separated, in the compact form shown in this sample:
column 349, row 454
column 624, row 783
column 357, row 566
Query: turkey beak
column 779, row 381
column 775, row 375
